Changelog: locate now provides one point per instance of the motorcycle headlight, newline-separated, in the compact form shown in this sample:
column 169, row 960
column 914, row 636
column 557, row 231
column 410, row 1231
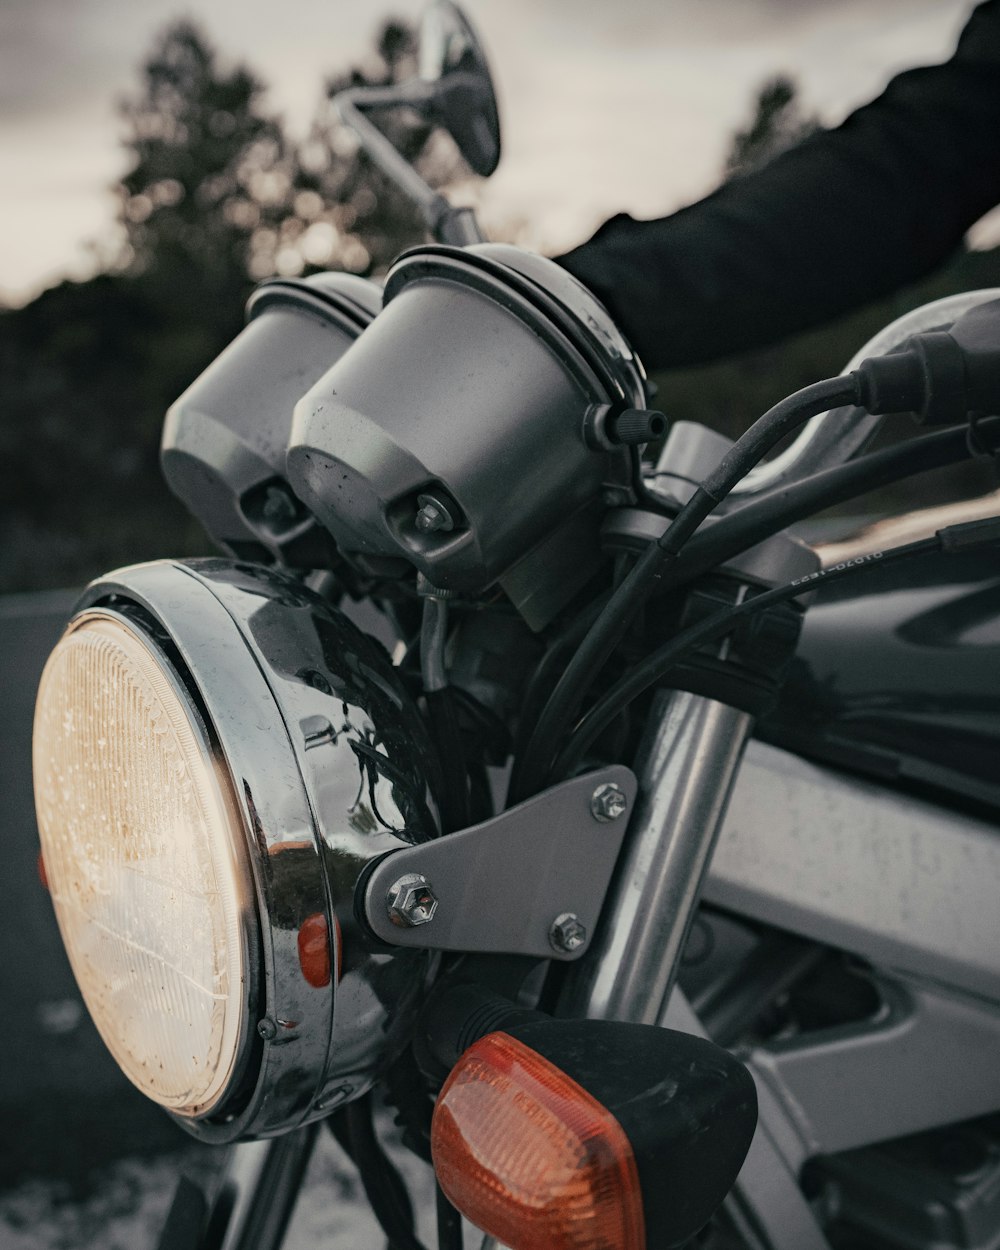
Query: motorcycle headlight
column 218, row 755
column 141, row 851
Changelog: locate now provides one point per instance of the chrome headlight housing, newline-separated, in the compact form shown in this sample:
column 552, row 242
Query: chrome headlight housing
column 218, row 757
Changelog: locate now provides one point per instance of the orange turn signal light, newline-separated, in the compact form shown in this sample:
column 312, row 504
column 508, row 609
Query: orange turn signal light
column 531, row 1157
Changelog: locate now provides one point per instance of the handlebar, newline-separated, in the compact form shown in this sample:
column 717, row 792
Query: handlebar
column 838, row 435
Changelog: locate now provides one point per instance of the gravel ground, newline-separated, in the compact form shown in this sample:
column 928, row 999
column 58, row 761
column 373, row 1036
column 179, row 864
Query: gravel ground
column 125, row 1210
column 125, row 1204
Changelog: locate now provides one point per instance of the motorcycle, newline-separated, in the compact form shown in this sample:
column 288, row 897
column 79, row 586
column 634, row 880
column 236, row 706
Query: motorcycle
column 641, row 856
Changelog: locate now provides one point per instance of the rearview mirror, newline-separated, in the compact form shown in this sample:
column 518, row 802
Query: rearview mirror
column 454, row 91
column 464, row 101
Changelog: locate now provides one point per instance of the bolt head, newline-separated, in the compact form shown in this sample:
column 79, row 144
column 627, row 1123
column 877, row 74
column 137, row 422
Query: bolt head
column 566, row 933
column 433, row 515
column 279, row 509
column 608, row 802
column 411, row 901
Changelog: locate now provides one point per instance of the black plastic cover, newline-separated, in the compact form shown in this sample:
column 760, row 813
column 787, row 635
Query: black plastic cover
column 897, row 676
column 687, row 1107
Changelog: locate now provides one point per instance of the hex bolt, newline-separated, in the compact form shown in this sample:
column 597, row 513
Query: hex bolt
column 433, row 515
column 608, row 802
column 411, row 901
column 279, row 509
column 566, row 933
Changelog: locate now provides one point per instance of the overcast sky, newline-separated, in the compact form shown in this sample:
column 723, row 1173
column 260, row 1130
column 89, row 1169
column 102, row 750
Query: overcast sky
column 606, row 105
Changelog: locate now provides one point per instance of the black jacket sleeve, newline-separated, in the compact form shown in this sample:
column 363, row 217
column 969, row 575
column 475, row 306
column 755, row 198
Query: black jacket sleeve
column 847, row 216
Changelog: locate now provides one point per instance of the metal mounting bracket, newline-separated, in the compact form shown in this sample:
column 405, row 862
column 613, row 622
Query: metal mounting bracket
column 531, row 881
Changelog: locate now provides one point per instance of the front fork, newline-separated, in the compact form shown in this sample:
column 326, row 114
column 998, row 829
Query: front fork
column 686, row 767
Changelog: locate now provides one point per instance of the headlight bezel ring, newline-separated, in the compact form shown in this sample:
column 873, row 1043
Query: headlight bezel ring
column 294, row 702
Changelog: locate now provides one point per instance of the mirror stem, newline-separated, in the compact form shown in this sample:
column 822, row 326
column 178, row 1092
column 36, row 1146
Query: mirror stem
column 446, row 223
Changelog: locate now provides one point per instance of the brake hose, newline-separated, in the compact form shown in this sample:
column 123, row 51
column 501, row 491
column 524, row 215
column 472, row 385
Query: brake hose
column 655, row 667
column 623, row 606
column 940, row 377
column 774, row 510
column 384, row 1188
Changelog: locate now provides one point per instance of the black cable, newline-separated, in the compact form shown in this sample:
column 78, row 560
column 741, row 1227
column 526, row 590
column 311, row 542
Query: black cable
column 384, row 1188
column 443, row 719
column 611, row 625
column 659, row 662
column 647, row 498
column 543, row 679
column 774, row 510
column 449, row 1223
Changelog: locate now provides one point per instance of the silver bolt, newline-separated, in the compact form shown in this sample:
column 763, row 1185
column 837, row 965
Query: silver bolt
column 433, row 515
column 267, row 1029
column 279, row 507
column 608, row 802
column 411, row 901
column 566, row 933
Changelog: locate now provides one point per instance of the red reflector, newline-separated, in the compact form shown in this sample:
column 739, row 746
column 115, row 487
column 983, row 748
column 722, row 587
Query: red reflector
column 529, row 1156
column 314, row 950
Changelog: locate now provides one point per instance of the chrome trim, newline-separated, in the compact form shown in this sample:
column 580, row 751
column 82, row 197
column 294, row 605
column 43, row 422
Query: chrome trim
column 304, row 709
column 686, row 769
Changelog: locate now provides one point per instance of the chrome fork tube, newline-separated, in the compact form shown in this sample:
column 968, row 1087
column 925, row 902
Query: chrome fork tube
column 686, row 768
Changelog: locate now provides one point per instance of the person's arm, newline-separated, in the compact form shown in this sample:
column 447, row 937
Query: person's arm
column 847, row 216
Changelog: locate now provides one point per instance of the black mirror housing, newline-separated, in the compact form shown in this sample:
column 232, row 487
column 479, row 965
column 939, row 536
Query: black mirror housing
column 464, row 101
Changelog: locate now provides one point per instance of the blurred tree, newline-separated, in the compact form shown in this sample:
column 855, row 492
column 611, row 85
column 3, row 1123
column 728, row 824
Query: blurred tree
column 211, row 175
column 214, row 197
column 778, row 123
column 218, row 196
column 353, row 216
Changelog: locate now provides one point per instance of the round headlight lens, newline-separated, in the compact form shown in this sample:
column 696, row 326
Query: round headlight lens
column 139, row 836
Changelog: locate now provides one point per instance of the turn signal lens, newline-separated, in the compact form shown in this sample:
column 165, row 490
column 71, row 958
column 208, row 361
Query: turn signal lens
column 530, row 1157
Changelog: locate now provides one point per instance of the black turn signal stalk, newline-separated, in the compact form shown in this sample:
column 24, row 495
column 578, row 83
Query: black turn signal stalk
column 628, row 1135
